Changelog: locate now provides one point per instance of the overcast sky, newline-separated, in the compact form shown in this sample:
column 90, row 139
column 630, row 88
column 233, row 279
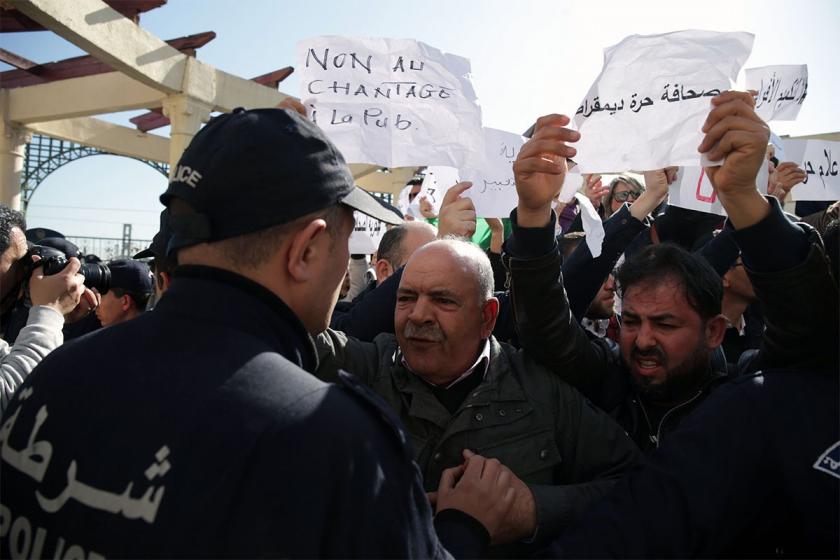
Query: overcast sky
column 528, row 58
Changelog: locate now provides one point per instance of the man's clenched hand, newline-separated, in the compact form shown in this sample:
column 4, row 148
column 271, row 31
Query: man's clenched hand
column 540, row 168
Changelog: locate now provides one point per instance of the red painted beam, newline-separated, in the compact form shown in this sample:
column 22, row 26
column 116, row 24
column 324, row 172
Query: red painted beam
column 12, row 21
column 150, row 121
column 87, row 65
column 17, row 61
column 273, row 79
column 156, row 119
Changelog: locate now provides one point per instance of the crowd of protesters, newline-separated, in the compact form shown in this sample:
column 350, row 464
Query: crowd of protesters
column 483, row 388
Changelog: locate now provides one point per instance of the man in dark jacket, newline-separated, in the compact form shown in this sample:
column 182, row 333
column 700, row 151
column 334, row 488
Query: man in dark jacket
column 755, row 471
column 671, row 310
column 197, row 429
column 456, row 387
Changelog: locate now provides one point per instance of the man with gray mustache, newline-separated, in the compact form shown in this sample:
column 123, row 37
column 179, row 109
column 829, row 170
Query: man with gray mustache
column 458, row 391
column 429, row 333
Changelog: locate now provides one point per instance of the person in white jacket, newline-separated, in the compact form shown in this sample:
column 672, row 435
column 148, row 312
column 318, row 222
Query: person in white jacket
column 52, row 298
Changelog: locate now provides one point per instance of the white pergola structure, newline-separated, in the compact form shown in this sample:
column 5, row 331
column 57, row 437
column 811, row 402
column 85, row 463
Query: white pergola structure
column 149, row 74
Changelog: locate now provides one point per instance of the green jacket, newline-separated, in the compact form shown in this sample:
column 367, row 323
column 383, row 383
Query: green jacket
column 569, row 452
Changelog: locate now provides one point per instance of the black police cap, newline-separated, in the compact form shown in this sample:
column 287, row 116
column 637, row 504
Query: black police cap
column 249, row 170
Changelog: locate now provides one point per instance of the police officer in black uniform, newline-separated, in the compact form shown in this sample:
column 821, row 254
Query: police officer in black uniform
column 196, row 429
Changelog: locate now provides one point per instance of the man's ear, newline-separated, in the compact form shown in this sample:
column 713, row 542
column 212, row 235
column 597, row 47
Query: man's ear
column 163, row 280
column 383, row 270
column 489, row 314
column 715, row 330
column 725, row 280
column 304, row 250
column 125, row 302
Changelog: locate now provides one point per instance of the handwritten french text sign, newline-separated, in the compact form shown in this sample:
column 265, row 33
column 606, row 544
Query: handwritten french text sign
column 646, row 108
column 694, row 190
column 366, row 235
column 781, row 90
column 822, row 172
column 494, row 189
column 391, row 102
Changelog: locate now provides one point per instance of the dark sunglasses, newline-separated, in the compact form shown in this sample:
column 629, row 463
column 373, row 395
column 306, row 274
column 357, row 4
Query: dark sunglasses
column 624, row 195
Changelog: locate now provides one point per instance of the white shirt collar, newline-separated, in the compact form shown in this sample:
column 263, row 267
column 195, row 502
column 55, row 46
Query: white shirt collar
column 482, row 361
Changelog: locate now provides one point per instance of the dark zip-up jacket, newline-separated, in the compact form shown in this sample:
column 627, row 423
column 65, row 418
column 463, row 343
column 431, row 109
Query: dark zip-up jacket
column 645, row 428
column 754, row 472
column 569, row 452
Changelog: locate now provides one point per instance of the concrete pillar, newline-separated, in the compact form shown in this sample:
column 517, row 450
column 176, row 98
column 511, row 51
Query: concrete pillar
column 13, row 139
column 186, row 116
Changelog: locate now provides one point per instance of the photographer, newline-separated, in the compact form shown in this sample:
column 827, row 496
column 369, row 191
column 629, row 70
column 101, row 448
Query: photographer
column 52, row 298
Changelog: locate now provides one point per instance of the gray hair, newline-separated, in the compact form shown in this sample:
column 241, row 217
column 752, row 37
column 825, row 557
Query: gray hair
column 474, row 257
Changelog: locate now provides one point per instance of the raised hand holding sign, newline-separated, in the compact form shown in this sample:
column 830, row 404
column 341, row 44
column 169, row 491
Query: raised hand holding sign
column 540, row 169
column 457, row 213
column 735, row 134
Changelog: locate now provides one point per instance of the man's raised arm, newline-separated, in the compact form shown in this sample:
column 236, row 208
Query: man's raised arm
column 547, row 330
column 785, row 261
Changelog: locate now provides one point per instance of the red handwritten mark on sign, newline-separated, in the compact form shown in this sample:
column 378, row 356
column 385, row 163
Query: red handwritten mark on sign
column 702, row 197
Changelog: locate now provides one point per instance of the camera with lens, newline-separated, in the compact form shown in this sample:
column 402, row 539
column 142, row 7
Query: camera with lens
column 53, row 261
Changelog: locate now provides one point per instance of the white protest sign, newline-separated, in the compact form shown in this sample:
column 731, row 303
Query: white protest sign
column 572, row 182
column 360, row 243
column 592, row 225
column 779, row 146
column 781, row 90
column 794, row 151
column 819, row 159
column 437, row 181
column 646, row 108
column 366, row 235
column 494, row 189
column 391, row 102
column 692, row 189
column 408, row 205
